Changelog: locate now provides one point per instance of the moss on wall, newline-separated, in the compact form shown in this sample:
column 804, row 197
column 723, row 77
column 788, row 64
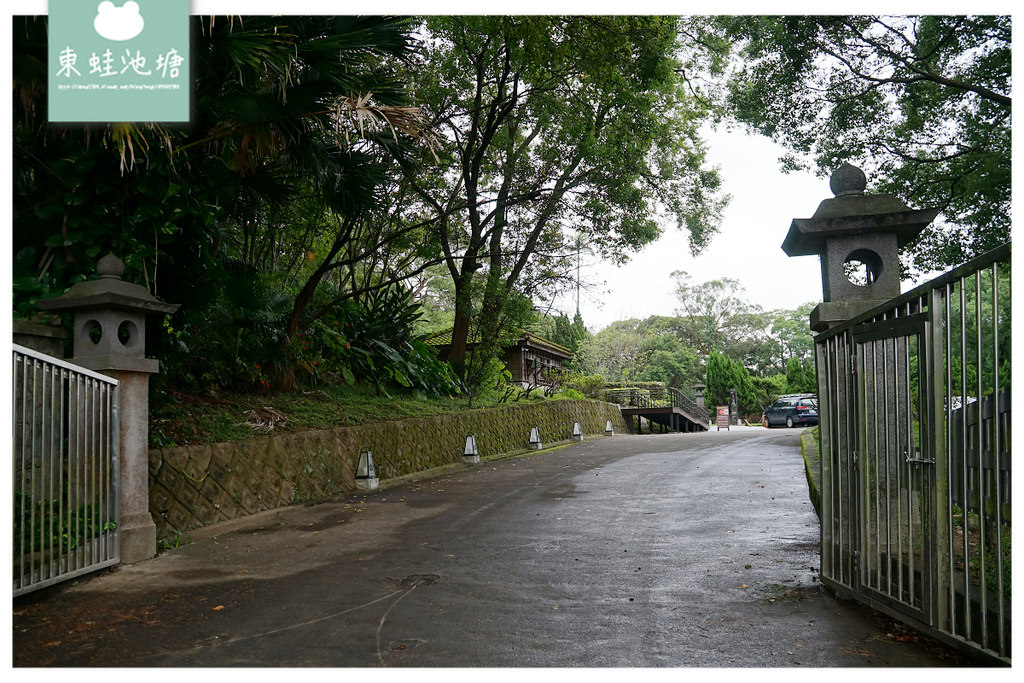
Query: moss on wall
column 192, row 486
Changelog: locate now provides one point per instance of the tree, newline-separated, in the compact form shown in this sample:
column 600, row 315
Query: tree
column 792, row 333
column 270, row 187
column 724, row 375
column 800, row 377
column 714, row 316
column 616, row 352
column 921, row 103
column 553, row 129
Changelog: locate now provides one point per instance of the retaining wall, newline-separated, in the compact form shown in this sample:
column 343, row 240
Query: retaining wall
column 192, row 486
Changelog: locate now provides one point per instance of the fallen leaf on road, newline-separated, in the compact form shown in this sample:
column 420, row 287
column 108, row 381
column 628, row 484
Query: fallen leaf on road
column 218, row 608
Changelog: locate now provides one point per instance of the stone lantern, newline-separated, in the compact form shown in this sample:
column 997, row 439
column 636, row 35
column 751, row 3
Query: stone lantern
column 857, row 237
column 109, row 336
column 698, row 390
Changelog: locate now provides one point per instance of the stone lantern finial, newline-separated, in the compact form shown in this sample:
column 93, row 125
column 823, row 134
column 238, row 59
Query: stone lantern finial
column 110, row 267
column 857, row 236
column 847, row 180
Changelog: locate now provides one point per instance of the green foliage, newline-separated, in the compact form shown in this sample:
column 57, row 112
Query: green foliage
column 800, row 377
column 570, row 334
column 553, row 121
column 723, row 375
column 768, row 389
column 921, row 103
column 195, row 418
column 590, row 386
column 374, row 341
column 237, row 216
column 617, row 352
column 55, row 526
column 715, row 315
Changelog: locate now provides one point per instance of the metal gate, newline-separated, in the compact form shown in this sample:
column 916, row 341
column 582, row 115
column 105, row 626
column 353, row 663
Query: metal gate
column 895, row 468
column 914, row 405
column 65, row 466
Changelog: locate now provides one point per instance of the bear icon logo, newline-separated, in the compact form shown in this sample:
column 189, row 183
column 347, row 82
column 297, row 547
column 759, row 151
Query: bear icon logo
column 118, row 23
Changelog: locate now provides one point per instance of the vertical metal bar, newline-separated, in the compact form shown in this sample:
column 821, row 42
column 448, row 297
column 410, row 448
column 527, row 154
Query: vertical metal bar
column 939, row 437
column 997, row 459
column 910, row 470
column 90, row 473
column 101, row 479
column 19, row 464
column 823, row 369
column 944, row 447
column 877, row 446
column 890, row 475
column 46, row 390
column 115, row 465
column 33, row 483
column 982, row 589
column 77, row 460
column 965, row 460
column 847, row 509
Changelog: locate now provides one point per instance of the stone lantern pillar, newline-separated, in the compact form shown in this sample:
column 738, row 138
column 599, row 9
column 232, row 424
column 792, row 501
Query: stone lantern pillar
column 857, row 237
column 109, row 336
column 698, row 390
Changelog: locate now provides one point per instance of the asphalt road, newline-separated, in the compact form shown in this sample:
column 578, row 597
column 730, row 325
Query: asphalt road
column 670, row 550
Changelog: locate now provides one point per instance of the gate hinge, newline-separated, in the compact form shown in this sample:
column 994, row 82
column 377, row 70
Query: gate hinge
column 853, row 457
column 853, row 365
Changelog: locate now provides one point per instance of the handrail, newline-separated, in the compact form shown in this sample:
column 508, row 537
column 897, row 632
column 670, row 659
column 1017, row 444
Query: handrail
column 657, row 397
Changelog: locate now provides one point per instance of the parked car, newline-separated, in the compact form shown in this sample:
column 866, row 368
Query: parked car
column 792, row 410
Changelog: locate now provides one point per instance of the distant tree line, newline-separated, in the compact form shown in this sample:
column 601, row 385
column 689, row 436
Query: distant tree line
column 717, row 338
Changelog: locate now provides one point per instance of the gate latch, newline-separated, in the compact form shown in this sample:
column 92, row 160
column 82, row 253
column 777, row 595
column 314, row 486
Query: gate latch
column 917, row 459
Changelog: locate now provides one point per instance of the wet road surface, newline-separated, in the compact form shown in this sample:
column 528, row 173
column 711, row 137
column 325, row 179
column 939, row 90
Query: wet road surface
column 669, row 550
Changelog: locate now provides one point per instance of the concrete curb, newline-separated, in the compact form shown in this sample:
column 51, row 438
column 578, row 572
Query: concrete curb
column 812, row 466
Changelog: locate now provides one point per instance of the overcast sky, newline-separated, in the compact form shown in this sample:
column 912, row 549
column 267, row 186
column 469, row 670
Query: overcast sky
column 748, row 247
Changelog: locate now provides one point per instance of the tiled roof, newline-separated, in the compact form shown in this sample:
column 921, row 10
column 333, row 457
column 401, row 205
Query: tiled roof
column 444, row 338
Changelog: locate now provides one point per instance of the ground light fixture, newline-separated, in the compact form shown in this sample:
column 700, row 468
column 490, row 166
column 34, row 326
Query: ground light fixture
column 366, row 473
column 470, row 453
column 608, row 429
column 577, row 432
column 535, row 439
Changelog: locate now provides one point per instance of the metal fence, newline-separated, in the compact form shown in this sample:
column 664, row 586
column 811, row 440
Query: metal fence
column 915, row 438
column 65, row 461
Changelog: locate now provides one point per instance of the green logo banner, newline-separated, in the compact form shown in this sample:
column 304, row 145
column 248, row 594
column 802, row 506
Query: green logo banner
column 120, row 60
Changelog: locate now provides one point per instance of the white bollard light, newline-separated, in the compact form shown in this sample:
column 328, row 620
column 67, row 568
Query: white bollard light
column 470, row 454
column 608, row 429
column 577, row 432
column 535, row 439
column 366, row 473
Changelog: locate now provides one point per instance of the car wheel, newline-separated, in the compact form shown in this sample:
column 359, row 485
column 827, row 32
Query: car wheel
column 789, row 421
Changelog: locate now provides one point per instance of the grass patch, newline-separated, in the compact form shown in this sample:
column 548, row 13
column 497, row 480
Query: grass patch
column 180, row 419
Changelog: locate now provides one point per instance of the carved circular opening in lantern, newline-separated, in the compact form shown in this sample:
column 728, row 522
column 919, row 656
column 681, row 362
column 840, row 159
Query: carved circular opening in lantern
column 863, row 267
column 128, row 334
column 93, row 331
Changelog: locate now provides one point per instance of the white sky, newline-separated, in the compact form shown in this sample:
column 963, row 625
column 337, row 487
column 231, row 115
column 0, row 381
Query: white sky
column 748, row 247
